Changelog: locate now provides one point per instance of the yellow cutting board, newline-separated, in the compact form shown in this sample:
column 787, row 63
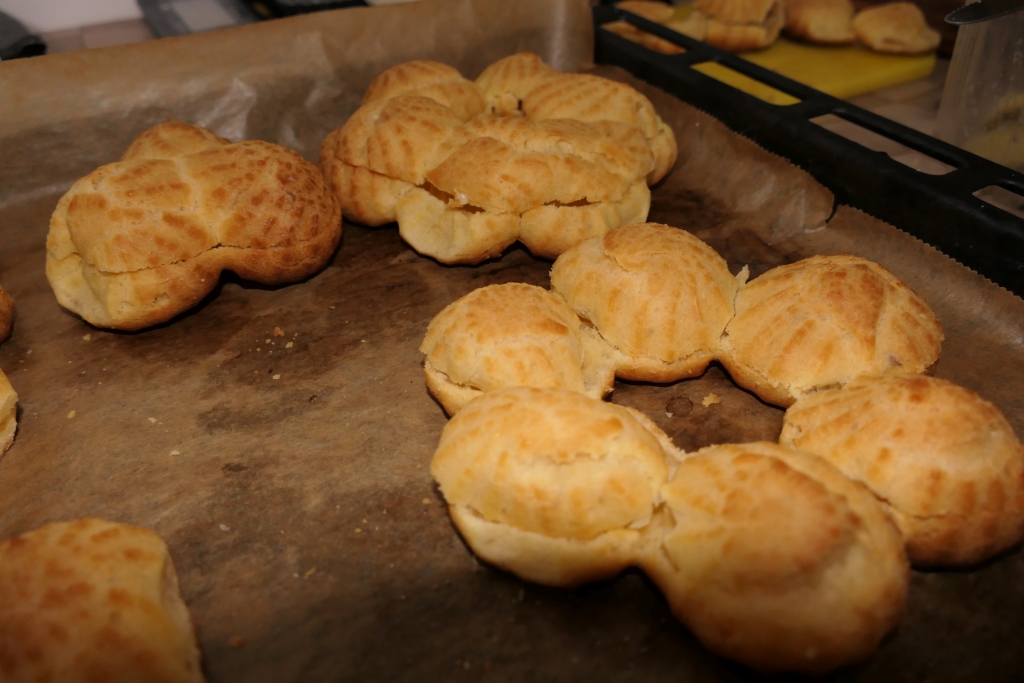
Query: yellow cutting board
column 843, row 71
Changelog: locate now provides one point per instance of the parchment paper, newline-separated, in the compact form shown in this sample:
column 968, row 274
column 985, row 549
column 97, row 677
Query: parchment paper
column 299, row 511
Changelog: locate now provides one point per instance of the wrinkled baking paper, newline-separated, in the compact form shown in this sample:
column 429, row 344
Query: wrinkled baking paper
column 288, row 472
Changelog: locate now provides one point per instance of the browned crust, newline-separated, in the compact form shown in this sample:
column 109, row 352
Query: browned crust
column 139, row 241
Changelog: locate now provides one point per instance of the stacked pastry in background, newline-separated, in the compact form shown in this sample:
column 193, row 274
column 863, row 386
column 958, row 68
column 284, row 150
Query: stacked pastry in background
column 523, row 153
column 746, row 25
column 787, row 557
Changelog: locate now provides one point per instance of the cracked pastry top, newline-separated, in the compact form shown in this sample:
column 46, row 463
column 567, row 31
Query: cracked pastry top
column 93, row 600
column 818, row 323
column 512, row 335
column 944, row 462
column 772, row 557
column 525, row 153
column 659, row 296
column 550, row 484
column 136, row 242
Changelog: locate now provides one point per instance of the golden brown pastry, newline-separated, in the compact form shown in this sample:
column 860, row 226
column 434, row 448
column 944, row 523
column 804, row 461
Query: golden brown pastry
column 775, row 559
column 136, row 242
column 92, row 600
column 587, row 98
column 464, row 185
column 898, row 27
column 828, row 22
column 658, row 295
column 8, row 413
column 944, row 462
column 550, row 484
column 742, row 25
column 512, row 335
column 6, row 314
column 505, row 83
column 433, row 80
column 648, row 9
column 694, row 24
column 818, row 323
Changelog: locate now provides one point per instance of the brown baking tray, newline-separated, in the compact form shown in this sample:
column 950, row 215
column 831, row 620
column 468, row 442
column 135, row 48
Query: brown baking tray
column 299, row 511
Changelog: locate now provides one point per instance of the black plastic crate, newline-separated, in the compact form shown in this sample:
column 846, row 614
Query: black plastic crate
column 938, row 209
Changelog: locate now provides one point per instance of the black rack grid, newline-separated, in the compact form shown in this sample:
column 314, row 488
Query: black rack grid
column 938, row 209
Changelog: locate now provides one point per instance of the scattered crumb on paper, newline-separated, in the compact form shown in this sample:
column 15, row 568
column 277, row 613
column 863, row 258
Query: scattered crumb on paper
column 278, row 332
column 710, row 400
column 71, row 414
column 309, row 572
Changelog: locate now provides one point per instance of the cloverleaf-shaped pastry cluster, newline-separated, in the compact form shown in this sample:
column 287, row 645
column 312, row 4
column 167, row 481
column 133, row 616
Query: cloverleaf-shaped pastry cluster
column 771, row 556
column 136, row 242
column 654, row 303
column 525, row 152
column 787, row 557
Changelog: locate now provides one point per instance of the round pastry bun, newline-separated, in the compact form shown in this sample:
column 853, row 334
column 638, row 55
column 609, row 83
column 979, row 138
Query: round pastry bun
column 944, row 462
column 657, row 294
column 549, row 484
column 92, row 600
column 818, row 323
column 897, row 28
column 512, row 335
column 826, row 22
column 775, row 559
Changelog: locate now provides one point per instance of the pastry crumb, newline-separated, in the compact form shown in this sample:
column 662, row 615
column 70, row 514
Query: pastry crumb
column 71, row 414
column 426, row 501
column 87, row 337
column 710, row 400
column 309, row 572
column 152, row 420
column 277, row 377
column 177, row 452
column 236, row 641
column 358, row 530
column 289, row 345
column 278, row 332
column 225, row 527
